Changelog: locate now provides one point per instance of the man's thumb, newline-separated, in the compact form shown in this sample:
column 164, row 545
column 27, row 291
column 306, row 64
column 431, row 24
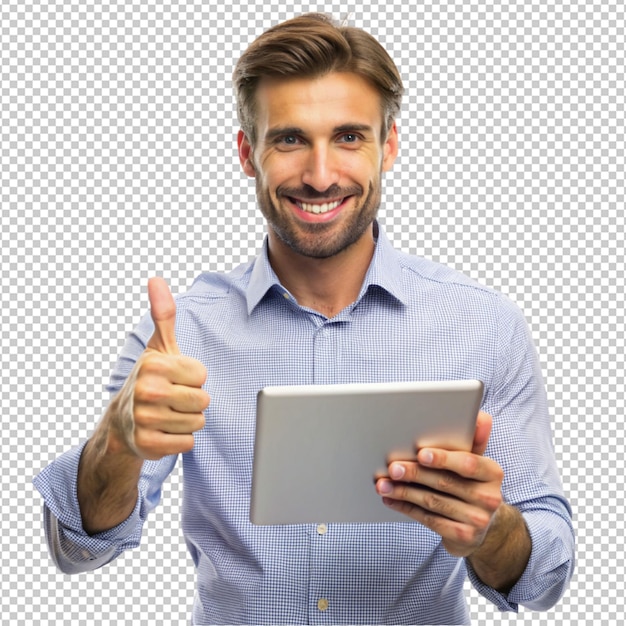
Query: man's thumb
column 484, row 422
column 163, row 312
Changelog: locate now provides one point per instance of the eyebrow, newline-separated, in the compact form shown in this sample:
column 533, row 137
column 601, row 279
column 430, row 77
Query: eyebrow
column 281, row 131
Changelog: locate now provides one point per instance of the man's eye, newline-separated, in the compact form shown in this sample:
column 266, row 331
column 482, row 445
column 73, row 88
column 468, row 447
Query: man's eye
column 290, row 140
column 349, row 138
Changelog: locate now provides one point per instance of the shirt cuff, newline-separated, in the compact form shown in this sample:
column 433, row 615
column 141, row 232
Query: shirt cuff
column 549, row 568
column 71, row 548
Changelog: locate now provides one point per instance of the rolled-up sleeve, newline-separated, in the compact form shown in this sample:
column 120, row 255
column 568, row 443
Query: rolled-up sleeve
column 521, row 442
column 551, row 564
column 72, row 549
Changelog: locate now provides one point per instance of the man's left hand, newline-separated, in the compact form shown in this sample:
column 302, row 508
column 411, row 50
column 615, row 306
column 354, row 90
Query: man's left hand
column 455, row 494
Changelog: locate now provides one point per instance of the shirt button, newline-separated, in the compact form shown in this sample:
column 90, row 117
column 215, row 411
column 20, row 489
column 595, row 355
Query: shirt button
column 322, row 529
column 322, row 604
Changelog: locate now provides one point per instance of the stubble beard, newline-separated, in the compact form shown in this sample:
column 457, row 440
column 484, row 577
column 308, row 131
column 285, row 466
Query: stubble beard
column 319, row 240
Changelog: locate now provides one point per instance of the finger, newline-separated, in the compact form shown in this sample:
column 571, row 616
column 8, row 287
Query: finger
column 171, row 369
column 167, row 421
column 442, row 481
column 433, row 502
column 154, row 445
column 185, row 399
column 462, row 464
column 163, row 312
column 179, row 398
column 484, row 422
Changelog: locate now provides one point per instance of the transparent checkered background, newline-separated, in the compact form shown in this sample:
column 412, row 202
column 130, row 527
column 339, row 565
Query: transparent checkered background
column 118, row 161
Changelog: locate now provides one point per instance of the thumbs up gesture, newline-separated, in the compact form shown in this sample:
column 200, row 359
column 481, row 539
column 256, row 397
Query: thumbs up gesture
column 165, row 399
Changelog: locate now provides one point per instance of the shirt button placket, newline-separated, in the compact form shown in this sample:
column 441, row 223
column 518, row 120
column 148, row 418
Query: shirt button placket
column 321, row 604
column 325, row 357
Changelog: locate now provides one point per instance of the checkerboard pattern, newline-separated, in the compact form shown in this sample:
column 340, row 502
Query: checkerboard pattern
column 118, row 162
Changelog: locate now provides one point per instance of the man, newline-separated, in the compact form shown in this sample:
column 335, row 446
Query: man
column 327, row 301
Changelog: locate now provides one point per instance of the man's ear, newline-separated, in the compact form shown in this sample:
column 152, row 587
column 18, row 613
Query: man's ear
column 390, row 148
column 245, row 154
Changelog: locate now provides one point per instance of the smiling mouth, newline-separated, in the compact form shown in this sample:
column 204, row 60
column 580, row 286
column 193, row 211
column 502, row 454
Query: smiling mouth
column 317, row 209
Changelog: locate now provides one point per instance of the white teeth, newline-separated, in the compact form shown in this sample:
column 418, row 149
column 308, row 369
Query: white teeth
column 319, row 208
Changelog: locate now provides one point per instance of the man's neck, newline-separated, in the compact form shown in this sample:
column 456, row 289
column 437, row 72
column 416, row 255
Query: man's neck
column 325, row 285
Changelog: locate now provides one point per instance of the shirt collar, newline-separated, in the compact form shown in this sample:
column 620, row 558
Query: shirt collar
column 384, row 272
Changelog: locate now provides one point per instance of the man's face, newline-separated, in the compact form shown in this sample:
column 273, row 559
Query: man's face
column 318, row 161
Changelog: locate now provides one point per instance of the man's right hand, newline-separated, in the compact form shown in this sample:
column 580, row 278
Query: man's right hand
column 155, row 414
column 167, row 400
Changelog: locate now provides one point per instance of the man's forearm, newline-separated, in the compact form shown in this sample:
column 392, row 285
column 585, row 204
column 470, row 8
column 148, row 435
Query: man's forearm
column 503, row 556
column 107, row 483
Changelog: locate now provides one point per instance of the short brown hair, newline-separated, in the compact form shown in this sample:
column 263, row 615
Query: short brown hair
column 313, row 45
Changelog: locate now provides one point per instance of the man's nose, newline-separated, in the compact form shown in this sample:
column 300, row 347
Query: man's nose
column 321, row 168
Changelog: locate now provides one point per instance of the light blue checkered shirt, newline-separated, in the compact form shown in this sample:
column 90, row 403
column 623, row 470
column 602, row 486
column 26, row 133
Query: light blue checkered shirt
column 413, row 320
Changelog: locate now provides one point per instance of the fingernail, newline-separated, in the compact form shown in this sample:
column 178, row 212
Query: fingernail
column 426, row 458
column 396, row 471
column 385, row 486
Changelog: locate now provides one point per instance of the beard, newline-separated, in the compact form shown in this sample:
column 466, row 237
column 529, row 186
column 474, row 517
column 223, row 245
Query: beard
column 321, row 240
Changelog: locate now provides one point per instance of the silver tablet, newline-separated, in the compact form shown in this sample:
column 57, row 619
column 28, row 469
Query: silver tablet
column 318, row 447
